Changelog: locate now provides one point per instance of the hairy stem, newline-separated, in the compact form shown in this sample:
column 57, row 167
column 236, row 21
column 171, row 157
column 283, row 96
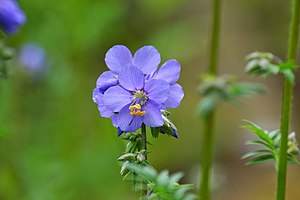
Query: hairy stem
column 144, row 142
column 287, row 103
column 208, row 137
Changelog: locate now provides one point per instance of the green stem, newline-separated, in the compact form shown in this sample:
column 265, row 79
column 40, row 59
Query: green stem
column 3, row 70
column 207, row 155
column 208, row 137
column 287, row 103
column 144, row 143
column 215, row 37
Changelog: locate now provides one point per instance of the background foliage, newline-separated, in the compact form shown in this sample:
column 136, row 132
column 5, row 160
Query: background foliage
column 53, row 143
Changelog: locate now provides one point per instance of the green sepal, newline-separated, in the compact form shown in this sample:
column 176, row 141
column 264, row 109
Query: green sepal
column 127, row 157
column 124, row 169
column 154, row 132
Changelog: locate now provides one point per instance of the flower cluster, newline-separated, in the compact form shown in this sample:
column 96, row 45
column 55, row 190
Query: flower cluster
column 11, row 16
column 134, row 91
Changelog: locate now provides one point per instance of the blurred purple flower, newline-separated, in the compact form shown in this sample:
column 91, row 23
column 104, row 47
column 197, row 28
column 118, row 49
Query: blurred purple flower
column 134, row 91
column 33, row 57
column 11, row 16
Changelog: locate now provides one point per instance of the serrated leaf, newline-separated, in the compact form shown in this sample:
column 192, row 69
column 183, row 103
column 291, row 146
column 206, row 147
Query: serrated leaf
column 260, row 159
column 257, row 153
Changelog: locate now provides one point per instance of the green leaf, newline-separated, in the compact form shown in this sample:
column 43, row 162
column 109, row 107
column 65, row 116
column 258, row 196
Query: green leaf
column 258, row 142
column 208, row 104
column 179, row 194
column 275, row 136
column 262, row 134
column 273, row 69
column 260, row 159
column 257, row 153
column 289, row 75
column 163, row 178
column 293, row 160
column 246, row 89
column 176, row 177
column 145, row 172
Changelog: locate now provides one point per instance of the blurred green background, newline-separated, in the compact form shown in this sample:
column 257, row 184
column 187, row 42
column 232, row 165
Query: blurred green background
column 55, row 146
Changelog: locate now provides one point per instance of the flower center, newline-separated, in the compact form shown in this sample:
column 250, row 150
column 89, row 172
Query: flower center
column 136, row 110
column 140, row 97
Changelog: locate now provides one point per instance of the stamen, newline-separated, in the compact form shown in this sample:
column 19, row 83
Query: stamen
column 142, row 113
column 138, row 106
column 136, row 110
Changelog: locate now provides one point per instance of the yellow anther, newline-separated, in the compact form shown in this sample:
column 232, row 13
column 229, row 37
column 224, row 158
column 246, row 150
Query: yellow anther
column 136, row 106
column 131, row 108
column 136, row 110
column 142, row 113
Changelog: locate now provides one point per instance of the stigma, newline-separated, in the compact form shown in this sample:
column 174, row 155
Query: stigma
column 136, row 110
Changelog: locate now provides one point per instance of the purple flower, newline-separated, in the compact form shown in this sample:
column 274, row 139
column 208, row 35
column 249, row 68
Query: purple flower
column 33, row 57
column 135, row 100
column 134, row 91
column 170, row 72
column 11, row 16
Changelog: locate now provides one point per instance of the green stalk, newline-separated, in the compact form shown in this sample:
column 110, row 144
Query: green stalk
column 287, row 103
column 144, row 143
column 215, row 38
column 207, row 157
column 208, row 137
